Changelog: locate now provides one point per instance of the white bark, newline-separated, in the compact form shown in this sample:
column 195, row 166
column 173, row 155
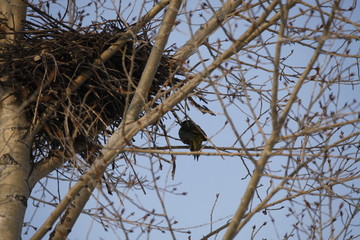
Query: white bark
column 14, row 146
column 15, row 13
column 14, row 167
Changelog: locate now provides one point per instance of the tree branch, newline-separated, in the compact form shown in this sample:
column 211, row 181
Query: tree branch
column 147, row 77
column 240, row 212
column 191, row 46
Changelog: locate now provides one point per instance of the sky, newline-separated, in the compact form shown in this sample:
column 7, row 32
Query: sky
column 213, row 184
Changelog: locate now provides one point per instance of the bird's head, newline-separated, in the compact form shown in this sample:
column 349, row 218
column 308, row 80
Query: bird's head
column 188, row 124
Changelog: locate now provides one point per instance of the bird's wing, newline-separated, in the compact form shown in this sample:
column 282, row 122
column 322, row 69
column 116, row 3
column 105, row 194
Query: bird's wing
column 203, row 134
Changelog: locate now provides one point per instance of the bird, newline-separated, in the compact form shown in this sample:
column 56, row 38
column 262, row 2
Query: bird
column 192, row 135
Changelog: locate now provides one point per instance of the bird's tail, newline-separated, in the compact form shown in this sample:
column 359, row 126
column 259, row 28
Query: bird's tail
column 196, row 146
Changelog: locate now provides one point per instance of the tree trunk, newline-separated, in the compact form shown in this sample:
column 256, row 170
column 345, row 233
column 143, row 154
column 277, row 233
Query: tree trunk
column 14, row 146
column 14, row 167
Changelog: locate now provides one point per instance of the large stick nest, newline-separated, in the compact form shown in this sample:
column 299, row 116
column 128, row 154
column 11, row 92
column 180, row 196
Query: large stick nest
column 52, row 56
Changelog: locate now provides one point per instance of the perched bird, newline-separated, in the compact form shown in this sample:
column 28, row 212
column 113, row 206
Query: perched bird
column 191, row 134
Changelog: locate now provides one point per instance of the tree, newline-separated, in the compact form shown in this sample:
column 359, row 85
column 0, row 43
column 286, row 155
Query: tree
column 98, row 107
